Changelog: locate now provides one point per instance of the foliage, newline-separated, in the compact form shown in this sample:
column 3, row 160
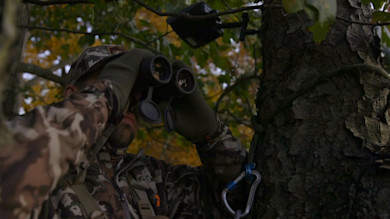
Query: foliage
column 323, row 12
column 69, row 28
column 227, row 69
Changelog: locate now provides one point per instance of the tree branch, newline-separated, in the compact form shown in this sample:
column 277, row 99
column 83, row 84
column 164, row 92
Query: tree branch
column 362, row 23
column 38, row 71
column 62, row 64
column 57, row 2
column 133, row 39
column 188, row 16
column 197, row 17
column 32, row 82
column 242, row 121
column 159, row 37
column 341, row 18
column 230, row 88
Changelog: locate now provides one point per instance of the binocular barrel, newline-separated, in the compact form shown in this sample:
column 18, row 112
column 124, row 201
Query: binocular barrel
column 157, row 82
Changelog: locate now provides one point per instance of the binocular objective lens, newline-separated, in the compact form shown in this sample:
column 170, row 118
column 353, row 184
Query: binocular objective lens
column 185, row 81
column 160, row 70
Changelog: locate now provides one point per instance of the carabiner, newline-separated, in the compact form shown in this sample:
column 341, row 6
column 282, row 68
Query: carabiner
column 237, row 215
column 251, row 194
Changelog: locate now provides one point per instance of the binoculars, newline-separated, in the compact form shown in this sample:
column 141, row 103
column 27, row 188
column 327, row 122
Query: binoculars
column 159, row 81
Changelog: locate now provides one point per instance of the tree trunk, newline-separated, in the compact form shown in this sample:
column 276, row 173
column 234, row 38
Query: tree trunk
column 12, row 96
column 324, row 109
column 8, row 36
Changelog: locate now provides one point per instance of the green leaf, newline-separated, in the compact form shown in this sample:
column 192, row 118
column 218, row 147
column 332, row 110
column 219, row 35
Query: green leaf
column 293, row 6
column 324, row 9
column 224, row 79
column 380, row 16
column 98, row 3
column 145, row 23
column 216, row 5
column 201, row 57
column 214, row 53
column 87, row 40
column 319, row 31
column 385, row 36
column 377, row 3
column 323, row 12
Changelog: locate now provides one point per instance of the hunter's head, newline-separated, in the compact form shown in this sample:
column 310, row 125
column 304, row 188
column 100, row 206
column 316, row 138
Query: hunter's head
column 85, row 71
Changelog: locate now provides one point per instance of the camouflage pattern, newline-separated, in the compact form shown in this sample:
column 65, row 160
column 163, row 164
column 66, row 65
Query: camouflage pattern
column 52, row 138
column 177, row 191
column 47, row 140
column 38, row 174
column 91, row 59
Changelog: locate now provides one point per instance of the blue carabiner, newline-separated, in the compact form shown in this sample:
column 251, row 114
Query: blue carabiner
column 248, row 169
column 249, row 173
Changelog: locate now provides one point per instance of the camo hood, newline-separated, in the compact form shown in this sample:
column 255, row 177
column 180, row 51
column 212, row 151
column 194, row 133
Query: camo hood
column 92, row 59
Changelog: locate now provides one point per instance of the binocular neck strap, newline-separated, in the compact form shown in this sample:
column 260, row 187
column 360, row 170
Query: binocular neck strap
column 102, row 139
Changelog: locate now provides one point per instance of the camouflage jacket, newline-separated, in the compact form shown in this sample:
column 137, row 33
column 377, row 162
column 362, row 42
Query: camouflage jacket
column 53, row 141
column 177, row 191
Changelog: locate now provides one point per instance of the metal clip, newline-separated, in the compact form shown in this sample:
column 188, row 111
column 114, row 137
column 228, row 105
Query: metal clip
column 233, row 184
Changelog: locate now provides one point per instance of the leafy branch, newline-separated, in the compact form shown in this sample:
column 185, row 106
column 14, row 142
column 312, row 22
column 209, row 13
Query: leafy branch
column 133, row 39
column 182, row 15
column 57, row 2
column 188, row 16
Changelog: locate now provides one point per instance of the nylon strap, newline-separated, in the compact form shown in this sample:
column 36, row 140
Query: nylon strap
column 144, row 205
column 252, row 148
column 87, row 201
column 103, row 139
column 89, row 205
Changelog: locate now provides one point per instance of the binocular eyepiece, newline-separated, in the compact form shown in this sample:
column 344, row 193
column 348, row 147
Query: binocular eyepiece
column 158, row 78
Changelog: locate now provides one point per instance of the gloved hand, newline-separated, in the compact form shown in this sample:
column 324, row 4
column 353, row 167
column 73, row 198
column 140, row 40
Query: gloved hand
column 123, row 72
column 194, row 118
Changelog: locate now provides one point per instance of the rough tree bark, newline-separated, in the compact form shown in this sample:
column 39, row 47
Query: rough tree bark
column 324, row 108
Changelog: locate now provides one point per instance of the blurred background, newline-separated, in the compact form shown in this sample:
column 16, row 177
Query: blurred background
column 54, row 33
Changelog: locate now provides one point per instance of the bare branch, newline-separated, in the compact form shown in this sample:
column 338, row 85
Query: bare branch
column 240, row 120
column 197, row 17
column 57, row 2
column 133, row 39
column 62, row 64
column 363, row 23
column 159, row 37
column 41, row 72
column 32, row 82
column 230, row 88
